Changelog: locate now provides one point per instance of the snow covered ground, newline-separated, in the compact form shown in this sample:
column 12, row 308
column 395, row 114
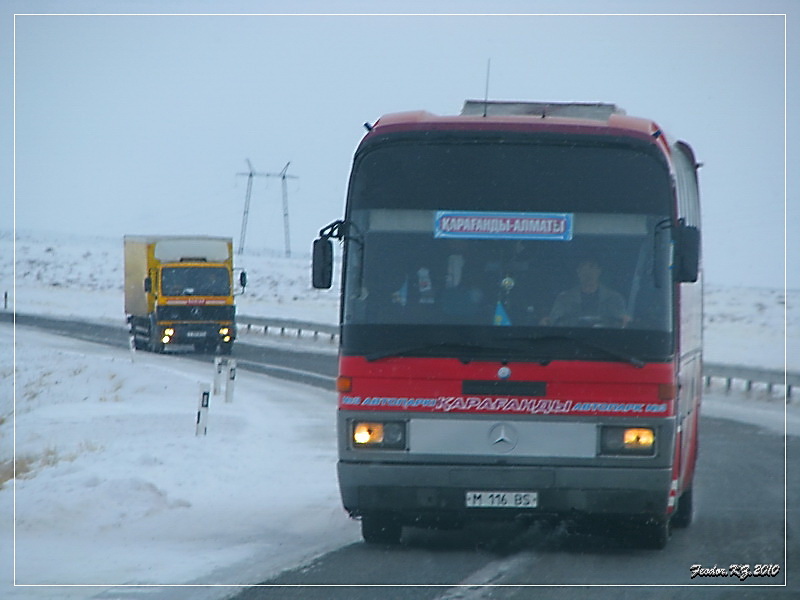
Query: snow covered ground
column 114, row 487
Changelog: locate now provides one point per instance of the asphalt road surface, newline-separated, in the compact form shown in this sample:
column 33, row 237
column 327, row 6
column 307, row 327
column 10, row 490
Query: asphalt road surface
column 747, row 513
column 739, row 520
column 311, row 368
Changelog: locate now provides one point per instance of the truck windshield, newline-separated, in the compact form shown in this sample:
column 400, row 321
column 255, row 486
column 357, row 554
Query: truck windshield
column 195, row 281
column 479, row 266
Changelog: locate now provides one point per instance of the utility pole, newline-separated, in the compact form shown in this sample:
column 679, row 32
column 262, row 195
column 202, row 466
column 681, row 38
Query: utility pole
column 250, row 174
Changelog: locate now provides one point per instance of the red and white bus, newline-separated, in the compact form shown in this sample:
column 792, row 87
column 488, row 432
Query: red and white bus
column 521, row 320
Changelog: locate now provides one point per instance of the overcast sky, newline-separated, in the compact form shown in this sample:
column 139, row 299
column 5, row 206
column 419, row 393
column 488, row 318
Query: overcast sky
column 140, row 124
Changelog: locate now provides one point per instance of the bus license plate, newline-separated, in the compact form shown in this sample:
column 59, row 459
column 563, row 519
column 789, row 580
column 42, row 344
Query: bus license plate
column 502, row 499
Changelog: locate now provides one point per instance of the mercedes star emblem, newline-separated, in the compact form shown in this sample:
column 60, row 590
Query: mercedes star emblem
column 503, row 437
column 504, row 372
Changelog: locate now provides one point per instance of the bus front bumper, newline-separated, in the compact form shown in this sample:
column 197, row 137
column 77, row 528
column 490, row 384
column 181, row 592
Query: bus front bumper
column 414, row 492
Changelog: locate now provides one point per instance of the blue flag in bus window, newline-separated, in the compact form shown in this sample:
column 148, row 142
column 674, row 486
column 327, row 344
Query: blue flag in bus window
column 500, row 315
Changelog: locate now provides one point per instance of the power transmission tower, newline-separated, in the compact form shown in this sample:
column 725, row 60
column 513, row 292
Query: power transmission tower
column 284, row 176
column 285, row 194
column 250, row 174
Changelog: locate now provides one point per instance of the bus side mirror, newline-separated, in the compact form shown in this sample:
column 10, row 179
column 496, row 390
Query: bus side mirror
column 148, row 285
column 687, row 253
column 322, row 264
column 243, row 280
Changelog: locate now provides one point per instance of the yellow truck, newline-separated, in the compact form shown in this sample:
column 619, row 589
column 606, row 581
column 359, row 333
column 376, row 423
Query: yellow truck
column 179, row 290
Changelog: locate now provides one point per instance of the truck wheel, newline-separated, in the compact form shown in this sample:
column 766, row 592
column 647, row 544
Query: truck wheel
column 683, row 516
column 380, row 530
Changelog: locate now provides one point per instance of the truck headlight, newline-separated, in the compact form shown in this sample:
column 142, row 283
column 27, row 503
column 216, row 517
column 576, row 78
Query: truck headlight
column 634, row 441
column 371, row 434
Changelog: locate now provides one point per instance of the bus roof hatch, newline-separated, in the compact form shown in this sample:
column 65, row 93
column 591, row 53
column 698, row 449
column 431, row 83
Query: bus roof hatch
column 581, row 110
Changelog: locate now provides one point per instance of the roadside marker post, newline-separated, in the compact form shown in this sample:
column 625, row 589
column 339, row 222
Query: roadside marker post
column 229, row 385
column 218, row 362
column 202, row 410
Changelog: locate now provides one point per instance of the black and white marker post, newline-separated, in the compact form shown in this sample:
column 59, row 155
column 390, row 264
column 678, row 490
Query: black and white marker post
column 218, row 369
column 202, row 410
column 229, row 385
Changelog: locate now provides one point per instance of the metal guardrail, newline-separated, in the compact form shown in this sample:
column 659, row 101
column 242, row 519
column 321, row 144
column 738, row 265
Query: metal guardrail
column 729, row 373
column 284, row 326
column 750, row 376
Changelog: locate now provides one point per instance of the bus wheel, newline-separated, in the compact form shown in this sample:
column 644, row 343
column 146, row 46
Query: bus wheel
column 656, row 533
column 683, row 516
column 380, row 530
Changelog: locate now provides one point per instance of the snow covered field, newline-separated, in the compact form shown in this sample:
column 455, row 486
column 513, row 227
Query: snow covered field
column 114, row 487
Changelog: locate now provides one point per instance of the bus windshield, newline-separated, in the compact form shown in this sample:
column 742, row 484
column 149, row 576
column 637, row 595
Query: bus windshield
column 543, row 275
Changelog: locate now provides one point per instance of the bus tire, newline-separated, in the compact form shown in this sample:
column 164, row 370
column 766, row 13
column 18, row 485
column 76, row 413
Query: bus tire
column 656, row 533
column 380, row 530
column 685, row 512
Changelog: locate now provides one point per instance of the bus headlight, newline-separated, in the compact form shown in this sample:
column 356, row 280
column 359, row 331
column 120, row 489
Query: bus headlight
column 634, row 441
column 167, row 337
column 370, row 434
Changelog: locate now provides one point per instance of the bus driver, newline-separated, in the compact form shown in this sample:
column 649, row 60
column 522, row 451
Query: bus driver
column 590, row 303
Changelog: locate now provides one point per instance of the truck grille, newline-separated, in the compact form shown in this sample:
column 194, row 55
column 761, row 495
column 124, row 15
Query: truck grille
column 195, row 313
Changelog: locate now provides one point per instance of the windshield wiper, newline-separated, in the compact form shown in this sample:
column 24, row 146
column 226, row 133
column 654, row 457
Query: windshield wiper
column 458, row 349
column 618, row 354
column 480, row 351
column 614, row 353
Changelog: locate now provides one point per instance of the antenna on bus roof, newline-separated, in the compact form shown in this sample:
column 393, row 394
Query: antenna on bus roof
column 486, row 94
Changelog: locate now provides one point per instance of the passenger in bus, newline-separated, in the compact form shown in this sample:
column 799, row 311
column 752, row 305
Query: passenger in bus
column 461, row 296
column 590, row 303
